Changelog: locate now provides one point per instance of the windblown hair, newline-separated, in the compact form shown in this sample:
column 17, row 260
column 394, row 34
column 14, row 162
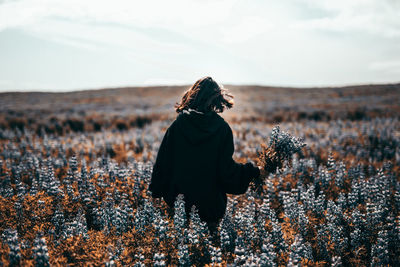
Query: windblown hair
column 205, row 95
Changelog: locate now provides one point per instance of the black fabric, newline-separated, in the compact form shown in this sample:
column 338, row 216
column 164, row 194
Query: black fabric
column 195, row 159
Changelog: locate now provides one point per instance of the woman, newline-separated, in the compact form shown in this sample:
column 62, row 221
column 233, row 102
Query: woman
column 195, row 156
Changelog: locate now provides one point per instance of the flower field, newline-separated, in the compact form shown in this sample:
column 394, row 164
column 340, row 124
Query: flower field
column 79, row 197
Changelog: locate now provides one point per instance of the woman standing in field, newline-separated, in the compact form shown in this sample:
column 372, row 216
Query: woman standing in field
column 195, row 156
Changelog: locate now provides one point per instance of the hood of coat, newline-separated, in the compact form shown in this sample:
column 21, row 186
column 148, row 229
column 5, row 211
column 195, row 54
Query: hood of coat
column 197, row 127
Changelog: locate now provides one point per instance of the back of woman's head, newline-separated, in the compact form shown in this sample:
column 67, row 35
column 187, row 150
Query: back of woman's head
column 205, row 95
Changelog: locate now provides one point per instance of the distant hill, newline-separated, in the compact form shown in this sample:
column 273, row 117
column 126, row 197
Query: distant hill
column 265, row 103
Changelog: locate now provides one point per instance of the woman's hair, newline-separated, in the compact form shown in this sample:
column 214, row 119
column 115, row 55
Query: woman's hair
column 205, row 95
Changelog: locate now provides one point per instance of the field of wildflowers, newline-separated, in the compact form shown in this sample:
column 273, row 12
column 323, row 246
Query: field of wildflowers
column 80, row 197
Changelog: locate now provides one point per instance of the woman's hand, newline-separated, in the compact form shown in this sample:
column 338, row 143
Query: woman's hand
column 272, row 165
column 263, row 173
column 156, row 202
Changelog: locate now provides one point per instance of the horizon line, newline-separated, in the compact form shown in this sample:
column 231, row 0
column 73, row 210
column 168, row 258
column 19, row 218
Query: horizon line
column 63, row 91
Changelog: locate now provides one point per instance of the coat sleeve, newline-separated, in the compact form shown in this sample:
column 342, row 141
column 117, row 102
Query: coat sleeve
column 159, row 177
column 234, row 177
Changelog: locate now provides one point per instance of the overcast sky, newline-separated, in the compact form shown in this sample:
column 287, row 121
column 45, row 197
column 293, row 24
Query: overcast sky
column 56, row 45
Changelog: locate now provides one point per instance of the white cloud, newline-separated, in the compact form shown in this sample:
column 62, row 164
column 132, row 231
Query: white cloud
column 385, row 66
column 96, row 36
column 82, row 23
column 282, row 42
column 380, row 17
column 246, row 29
column 146, row 13
column 226, row 21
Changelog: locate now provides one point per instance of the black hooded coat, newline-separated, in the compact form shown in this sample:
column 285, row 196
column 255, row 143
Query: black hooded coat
column 195, row 159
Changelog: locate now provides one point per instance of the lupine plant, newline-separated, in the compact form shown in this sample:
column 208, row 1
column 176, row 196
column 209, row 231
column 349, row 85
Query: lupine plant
column 75, row 200
column 40, row 252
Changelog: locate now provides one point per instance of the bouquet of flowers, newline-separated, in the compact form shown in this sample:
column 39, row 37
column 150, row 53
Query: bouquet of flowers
column 282, row 146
